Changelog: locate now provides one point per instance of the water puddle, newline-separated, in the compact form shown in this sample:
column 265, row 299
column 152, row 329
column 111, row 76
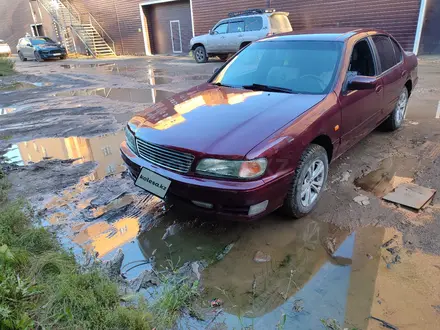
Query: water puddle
column 20, row 85
column 91, row 65
column 311, row 271
column 153, row 76
column 197, row 77
column 122, row 94
column 391, row 172
column 104, row 150
column 5, row 111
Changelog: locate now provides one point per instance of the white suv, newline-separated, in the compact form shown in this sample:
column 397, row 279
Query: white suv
column 240, row 29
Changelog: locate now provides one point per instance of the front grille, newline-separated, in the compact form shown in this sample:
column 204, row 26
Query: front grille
column 55, row 51
column 165, row 157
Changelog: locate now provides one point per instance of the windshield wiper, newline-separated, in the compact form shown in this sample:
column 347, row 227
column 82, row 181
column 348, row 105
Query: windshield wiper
column 220, row 84
column 267, row 88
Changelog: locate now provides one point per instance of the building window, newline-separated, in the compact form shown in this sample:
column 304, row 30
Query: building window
column 107, row 150
column 111, row 169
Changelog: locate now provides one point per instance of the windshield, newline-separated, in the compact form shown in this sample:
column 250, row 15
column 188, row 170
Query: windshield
column 41, row 41
column 307, row 67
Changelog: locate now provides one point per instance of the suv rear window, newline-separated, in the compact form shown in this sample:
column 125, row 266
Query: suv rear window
column 253, row 23
column 279, row 23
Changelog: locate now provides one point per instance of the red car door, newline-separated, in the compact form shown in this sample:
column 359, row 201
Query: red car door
column 360, row 103
column 391, row 71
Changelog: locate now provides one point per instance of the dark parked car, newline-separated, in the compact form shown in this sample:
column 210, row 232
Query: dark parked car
column 260, row 134
column 40, row 49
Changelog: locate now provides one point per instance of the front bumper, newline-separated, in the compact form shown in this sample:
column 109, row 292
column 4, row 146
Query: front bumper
column 52, row 54
column 231, row 199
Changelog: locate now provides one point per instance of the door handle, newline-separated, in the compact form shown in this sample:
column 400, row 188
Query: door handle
column 240, row 35
column 404, row 72
column 379, row 89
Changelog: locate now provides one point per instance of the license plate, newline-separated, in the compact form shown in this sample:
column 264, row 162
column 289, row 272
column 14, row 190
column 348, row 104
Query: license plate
column 153, row 183
column 57, row 54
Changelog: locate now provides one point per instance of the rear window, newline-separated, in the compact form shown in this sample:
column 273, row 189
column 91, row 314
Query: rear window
column 385, row 51
column 397, row 51
column 253, row 23
column 280, row 23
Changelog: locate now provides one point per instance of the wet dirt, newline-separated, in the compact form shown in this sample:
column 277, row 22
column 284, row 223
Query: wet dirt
column 391, row 172
column 333, row 261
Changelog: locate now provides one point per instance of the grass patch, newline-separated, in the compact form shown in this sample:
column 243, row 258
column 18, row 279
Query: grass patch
column 41, row 286
column 7, row 67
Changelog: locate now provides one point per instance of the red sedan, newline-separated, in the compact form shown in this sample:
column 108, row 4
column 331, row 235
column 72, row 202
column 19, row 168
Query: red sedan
column 261, row 133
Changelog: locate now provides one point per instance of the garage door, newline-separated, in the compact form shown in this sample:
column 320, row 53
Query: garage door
column 430, row 41
column 170, row 27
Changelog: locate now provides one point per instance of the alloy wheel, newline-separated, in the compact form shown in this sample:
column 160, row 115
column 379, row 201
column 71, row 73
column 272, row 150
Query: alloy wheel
column 312, row 183
column 401, row 108
column 200, row 55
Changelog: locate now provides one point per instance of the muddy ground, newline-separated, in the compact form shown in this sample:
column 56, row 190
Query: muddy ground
column 60, row 128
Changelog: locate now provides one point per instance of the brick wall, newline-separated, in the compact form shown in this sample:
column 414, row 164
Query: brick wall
column 399, row 17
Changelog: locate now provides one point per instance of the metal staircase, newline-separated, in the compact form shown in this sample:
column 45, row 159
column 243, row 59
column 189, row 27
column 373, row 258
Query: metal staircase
column 83, row 26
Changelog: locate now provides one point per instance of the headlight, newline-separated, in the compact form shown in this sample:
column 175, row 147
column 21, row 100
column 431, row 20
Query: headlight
column 248, row 169
column 131, row 140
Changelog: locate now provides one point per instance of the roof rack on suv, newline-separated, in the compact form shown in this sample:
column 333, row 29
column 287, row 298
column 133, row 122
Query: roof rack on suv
column 251, row 12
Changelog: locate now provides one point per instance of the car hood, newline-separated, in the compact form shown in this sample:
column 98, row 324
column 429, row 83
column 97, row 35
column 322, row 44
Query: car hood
column 199, row 39
column 219, row 121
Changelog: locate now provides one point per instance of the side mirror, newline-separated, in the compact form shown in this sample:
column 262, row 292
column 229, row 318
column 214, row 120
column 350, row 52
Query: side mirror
column 210, row 32
column 361, row 83
column 29, row 45
column 215, row 70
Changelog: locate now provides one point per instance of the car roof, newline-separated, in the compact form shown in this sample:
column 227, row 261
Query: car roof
column 324, row 34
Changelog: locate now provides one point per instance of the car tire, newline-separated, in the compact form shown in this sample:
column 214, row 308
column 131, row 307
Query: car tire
column 22, row 58
column 200, row 55
column 303, row 193
column 63, row 57
column 38, row 57
column 223, row 57
column 395, row 120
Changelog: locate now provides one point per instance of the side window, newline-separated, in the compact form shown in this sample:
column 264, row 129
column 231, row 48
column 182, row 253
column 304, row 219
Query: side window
column 221, row 29
column 235, row 27
column 397, row 50
column 385, row 51
column 361, row 61
column 253, row 23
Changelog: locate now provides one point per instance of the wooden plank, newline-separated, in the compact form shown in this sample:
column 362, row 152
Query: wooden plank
column 411, row 195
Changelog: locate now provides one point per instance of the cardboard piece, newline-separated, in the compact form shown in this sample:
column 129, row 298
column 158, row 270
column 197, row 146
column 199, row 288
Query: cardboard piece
column 411, row 195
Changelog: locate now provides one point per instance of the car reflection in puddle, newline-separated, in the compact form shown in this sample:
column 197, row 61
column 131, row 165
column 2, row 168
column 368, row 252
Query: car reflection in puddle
column 122, row 94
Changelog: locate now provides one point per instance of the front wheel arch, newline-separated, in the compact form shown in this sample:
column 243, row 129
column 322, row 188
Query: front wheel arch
column 244, row 44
